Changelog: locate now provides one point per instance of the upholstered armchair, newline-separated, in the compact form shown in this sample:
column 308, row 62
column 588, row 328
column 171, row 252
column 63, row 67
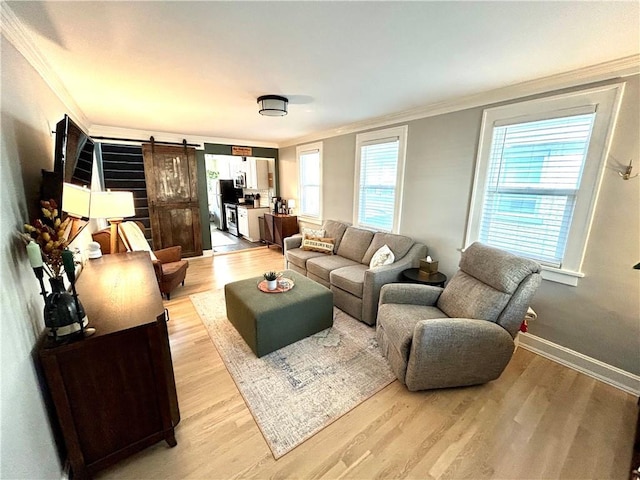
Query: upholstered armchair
column 462, row 334
column 168, row 264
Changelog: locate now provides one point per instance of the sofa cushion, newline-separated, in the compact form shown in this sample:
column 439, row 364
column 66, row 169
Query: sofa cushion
column 172, row 268
column 349, row 279
column 299, row 257
column 334, row 230
column 317, row 244
column 399, row 245
column 355, row 243
column 399, row 321
column 323, row 265
column 467, row 297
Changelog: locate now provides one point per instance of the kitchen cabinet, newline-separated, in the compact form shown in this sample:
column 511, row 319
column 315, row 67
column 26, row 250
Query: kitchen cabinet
column 248, row 223
column 278, row 227
column 257, row 174
column 242, row 165
column 114, row 392
column 256, row 171
column 243, row 221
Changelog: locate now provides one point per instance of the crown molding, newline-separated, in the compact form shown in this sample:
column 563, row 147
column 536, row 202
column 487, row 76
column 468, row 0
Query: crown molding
column 16, row 33
column 119, row 132
column 619, row 68
column 19, row 36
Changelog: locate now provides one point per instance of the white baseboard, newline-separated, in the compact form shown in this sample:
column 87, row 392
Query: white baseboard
column 606, row 373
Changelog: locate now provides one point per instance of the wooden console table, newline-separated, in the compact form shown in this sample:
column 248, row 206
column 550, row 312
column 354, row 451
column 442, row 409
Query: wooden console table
column 114, row 392
column 278, row 227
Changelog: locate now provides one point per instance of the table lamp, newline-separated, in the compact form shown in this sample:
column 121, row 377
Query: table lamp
column 114, row 206
column 75, row 201
column 291, row 204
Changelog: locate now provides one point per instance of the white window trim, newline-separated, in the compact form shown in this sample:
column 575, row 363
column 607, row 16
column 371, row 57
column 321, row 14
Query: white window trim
column 401, row 133
column 301, row 149
column 606, row 100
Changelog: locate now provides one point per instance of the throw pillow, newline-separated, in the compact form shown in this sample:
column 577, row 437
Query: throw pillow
column 383, row 256
column 311, row 232
column 318, row 244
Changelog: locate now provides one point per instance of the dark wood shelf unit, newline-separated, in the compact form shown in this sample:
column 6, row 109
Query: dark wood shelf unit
column 114, row 392
column 277, row 227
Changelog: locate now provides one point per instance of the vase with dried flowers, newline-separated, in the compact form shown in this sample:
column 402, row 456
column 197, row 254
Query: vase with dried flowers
column 48, row 233
column 47, row 250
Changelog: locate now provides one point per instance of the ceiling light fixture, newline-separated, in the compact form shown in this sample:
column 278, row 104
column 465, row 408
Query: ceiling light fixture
column 273, row 105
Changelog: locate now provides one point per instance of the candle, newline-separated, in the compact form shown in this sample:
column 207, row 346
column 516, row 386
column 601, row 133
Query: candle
column 35, row 255
column 69, row 267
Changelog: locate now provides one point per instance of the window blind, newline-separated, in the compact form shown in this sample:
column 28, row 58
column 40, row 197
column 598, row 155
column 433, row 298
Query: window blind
column 377, row 192
column 310, row 183
column 532, row 182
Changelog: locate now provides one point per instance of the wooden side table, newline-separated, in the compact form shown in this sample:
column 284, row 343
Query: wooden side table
column 278, row 227
column 413, row 275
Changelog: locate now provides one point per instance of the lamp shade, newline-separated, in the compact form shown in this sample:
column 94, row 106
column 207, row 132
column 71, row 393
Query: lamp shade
column 76, row 200
column 291, row 203
column 273, row 105
column 112, row 205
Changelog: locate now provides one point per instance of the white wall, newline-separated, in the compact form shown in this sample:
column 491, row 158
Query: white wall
column 599, row 318
column 29, row 113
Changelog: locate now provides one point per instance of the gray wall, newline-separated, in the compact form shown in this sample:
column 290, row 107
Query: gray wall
column 601, row 316
column 29, row 113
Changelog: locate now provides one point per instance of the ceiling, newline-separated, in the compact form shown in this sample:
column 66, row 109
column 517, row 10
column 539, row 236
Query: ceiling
column 196, row 68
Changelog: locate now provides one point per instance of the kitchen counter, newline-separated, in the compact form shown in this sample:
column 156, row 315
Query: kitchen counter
column 248, row 221
column 250, row 206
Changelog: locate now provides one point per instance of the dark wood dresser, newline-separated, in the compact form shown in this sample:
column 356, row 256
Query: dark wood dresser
column 114, row 392
column 278, row 227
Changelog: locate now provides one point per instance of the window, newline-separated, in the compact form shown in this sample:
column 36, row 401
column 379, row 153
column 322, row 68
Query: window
column 310, row 172
column 537, row 176
column 379, row 177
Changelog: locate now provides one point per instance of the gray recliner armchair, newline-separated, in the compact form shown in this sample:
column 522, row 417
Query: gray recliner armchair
column 462, row 334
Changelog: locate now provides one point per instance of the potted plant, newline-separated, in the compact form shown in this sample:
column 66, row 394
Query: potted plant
column 272, row 280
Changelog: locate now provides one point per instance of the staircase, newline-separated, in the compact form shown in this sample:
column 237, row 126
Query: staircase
column 123, row 169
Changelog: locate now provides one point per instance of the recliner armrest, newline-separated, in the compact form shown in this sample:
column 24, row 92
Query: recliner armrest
column 410, row 293
column 169, row 254
column 448, row 352
column 157, row 267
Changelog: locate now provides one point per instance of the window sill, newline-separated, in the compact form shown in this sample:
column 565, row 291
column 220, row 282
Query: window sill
column 311, row 220
column 557, row 275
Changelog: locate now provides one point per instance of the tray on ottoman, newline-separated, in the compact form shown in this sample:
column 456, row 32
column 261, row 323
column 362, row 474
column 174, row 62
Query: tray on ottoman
column 268, row 322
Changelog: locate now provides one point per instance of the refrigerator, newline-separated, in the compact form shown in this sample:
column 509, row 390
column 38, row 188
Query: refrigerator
column 221, row 192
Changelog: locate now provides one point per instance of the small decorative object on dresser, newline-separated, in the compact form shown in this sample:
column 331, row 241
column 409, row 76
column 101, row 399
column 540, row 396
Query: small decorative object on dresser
column 47, row 250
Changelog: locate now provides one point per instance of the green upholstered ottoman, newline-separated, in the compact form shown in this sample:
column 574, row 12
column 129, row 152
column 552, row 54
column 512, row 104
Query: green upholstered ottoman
column 269, row 321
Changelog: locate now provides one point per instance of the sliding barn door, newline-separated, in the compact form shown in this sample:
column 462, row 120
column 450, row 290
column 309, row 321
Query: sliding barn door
column 172, row 190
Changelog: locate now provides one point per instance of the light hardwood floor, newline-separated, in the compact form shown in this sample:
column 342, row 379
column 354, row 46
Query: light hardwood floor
column 538, row 420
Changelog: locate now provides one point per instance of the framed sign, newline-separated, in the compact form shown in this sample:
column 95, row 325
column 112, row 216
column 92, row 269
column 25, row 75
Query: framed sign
column 243, row 151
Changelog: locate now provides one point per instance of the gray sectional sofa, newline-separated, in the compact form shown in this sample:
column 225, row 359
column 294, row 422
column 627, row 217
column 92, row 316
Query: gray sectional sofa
column 355, row 286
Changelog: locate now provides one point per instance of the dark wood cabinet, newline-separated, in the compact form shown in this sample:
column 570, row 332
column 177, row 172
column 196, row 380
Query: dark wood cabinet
column 278, row 227
column 114, row 392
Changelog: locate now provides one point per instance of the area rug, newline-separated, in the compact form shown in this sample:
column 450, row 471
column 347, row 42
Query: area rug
column 298, row 390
